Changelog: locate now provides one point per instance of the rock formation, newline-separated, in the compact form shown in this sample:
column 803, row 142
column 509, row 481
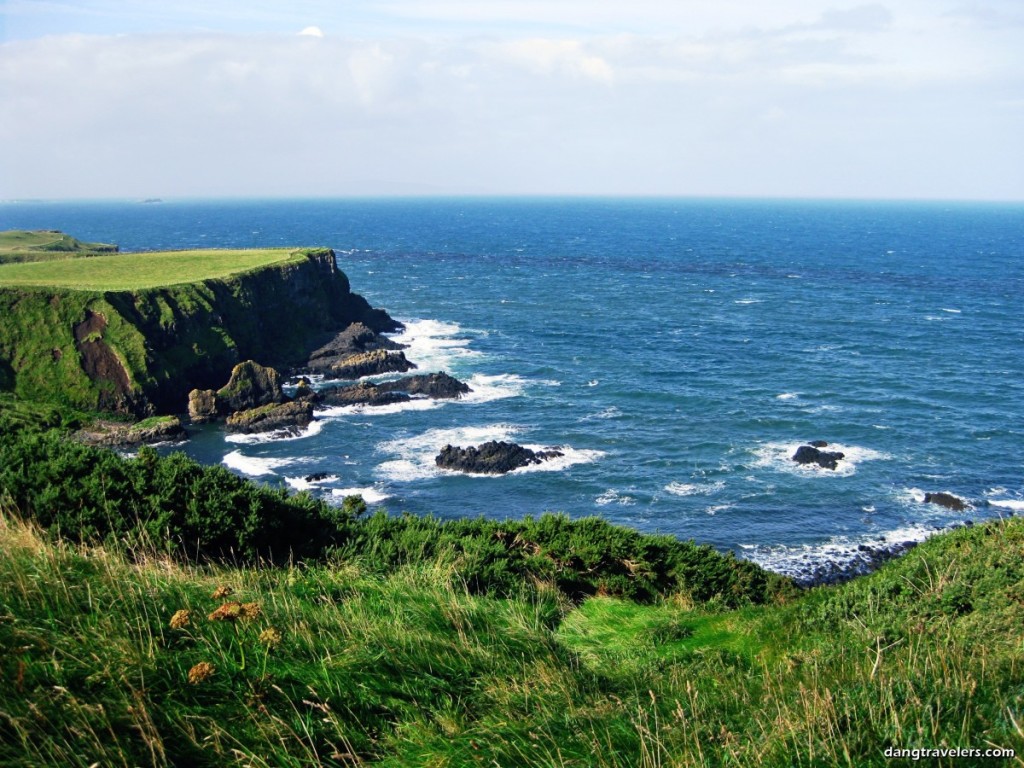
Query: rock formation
column 491, row 458
column 812, row 454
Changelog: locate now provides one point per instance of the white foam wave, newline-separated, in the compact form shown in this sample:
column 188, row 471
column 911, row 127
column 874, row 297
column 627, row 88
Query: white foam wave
column 302, row 484
column 569, row 458
column 371, row 494
column 1016, row 505
column 434, row 345
column 612, row 496
column 779, row 456
column 839, row 553
column 788, row 396
column 952, row 311
column 415, row 456
column 415, row 404
column 694, row 489
column 748, row 301
column 278, row 435
column 488, row 388
column 254, row 466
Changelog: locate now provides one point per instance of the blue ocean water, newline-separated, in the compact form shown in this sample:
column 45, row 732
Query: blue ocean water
column 678, row 351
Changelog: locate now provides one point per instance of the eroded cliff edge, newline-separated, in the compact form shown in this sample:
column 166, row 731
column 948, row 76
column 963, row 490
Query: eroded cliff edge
column 140, row 352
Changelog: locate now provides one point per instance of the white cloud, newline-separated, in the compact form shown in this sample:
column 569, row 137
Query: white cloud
column 312, row 32
column 857, row 100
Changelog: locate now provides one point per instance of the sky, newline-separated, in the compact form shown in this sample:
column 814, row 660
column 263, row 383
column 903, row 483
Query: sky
column 904, row 99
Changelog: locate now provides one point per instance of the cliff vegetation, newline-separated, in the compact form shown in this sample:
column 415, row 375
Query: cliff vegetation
column 134, row 333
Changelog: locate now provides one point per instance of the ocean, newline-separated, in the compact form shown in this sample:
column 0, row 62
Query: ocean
column 676, row 351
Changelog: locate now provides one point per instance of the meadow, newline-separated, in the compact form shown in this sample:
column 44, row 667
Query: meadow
column 139, row 271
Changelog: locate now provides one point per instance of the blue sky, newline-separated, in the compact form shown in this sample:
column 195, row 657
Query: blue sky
column 796, row 98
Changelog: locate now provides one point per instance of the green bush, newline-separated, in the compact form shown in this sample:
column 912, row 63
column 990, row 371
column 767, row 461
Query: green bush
column 207, row 513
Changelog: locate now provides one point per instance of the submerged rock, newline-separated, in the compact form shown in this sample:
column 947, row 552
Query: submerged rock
column 947, row 500
column 491, row 458
column 809, row 454
column 290, row 417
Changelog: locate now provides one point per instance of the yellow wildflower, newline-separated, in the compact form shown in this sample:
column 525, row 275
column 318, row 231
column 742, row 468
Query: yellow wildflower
column 200, row 672
column 226, row 612
column 180, row 619
column 270, row 637
column 250, row 611
column 222, row 591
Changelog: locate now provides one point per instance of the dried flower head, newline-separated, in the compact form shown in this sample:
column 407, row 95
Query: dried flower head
column 222, row 591
column 200, row 672
column 270, row 637
column 180, row 619
column 250, row 611
column 226, row 612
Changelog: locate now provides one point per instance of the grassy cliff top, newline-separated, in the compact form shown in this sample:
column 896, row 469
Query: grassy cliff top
column 20, row 245
column 136, row 271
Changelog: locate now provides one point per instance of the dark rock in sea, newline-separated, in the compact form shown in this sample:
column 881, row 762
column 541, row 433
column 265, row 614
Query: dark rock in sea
column 947, row 500
column 251, row 385
column 439, row 386
column 431, row 385
column 818, row 443
column 316, row 477
column 289, row 417
column 356, row 340
column 491, row 458
column 116, row 435
column 363, row 393
column 202, row 406
column 372, row 363
column 808, row 454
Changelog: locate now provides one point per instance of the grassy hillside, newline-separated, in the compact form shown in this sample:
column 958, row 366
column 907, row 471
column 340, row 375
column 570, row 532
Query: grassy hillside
column 20, row 245
column 138, row 271
column 116, row 657
column 407, row 641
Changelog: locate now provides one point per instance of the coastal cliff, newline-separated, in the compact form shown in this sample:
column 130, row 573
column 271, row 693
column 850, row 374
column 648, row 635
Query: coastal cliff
column 140, row 351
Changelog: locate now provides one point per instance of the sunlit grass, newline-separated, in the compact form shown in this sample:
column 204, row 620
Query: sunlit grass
column 136, row 271
column 115, row 657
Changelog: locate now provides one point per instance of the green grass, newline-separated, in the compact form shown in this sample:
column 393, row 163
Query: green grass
column 344, row 666
column 137, row 271
column 19, row 245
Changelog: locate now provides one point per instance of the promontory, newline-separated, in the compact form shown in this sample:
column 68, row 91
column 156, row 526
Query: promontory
column 134, row 333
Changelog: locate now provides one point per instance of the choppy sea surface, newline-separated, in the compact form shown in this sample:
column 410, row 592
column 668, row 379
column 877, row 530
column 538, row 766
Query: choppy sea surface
column 676, row 351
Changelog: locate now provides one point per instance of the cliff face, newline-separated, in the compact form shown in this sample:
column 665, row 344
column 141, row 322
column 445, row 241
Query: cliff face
column 141, row 352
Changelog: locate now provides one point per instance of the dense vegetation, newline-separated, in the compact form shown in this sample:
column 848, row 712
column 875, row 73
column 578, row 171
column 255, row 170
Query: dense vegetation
column 120, row 655
column 208, row 514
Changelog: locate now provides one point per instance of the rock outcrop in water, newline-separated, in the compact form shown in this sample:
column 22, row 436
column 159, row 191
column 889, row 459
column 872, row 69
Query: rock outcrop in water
column 491, row 458
column 437, row 386
column 947, row 500
column 275, row 417
column 812, row 454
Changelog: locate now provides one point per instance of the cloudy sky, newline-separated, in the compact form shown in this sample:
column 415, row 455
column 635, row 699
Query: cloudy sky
column 795, row 98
